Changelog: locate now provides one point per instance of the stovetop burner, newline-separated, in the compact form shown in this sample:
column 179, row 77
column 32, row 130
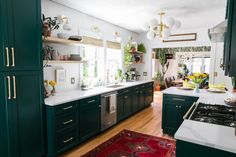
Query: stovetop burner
column 215, row 114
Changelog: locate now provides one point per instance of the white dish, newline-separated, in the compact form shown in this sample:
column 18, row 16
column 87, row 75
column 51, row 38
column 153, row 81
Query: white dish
column 214, row 90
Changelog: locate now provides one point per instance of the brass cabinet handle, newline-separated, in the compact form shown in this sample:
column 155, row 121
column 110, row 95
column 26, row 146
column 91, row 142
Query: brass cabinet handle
column 14, row 87
column 7, row 56
column 13, row 56
column 9, row 87
column 190, row 109
column 66, row 108
column 69, row 121
column 178, row 99
column 91, row 101
column 70, row 139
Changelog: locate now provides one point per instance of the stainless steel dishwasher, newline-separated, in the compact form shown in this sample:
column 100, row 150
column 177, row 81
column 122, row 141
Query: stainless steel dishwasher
column 108, row 110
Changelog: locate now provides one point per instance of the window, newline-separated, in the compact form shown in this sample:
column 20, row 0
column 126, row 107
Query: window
column 201, row 65
column 91, row 72
column 113, row 63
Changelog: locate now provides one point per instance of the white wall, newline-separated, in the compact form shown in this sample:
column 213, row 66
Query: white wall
column 202, row 40
column 81, row 25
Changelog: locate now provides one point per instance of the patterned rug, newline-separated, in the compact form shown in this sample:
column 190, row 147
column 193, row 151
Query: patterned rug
column 132, row 144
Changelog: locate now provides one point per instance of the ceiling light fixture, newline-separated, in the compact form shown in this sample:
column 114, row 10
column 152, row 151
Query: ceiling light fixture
column 161, row 28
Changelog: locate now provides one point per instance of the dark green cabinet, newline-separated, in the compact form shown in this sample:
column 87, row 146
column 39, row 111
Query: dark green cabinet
column 124, row 104
column 21, row 39
column 89, row 117
column 230, row 40
column 62, row 127
column 22, row 118
column 173, row 110
column 186, row 149
column 148, row 94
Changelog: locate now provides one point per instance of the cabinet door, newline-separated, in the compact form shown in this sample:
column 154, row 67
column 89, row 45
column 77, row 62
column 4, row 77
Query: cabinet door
column 141, row 99
column 3, row 37
column 232, row 56
column 24, row 114
column 25, row 39
column 8, row 119
column 170, row 118
column 30, row 113
column 135, row 101
column 89, row 117
column 120, row 107
column 127, row 105
column 148, row 96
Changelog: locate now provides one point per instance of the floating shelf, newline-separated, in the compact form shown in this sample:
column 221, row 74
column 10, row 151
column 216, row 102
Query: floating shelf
column 85, row 41
column 62, row 62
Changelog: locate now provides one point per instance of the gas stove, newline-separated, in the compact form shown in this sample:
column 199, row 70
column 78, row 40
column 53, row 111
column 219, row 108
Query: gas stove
column 215, row 114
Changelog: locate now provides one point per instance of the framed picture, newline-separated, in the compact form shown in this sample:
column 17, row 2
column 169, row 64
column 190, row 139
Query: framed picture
column 60, row 76
column 181, row 37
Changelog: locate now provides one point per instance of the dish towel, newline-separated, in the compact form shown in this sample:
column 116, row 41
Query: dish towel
column 112, row 104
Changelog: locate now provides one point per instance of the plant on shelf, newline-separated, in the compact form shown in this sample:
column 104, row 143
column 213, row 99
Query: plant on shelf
column 49, row 24
column 141, row 48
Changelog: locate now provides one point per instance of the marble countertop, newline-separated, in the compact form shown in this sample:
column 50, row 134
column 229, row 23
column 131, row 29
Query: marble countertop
column 206, row 134
column 73, row 95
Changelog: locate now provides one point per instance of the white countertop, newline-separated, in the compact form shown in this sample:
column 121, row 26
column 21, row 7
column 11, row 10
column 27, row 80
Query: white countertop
column 73, row 95
column 206, row 134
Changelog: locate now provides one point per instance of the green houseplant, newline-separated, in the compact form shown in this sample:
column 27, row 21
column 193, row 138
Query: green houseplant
column 141, row 48
column 127, row 54
column 158, row 79
column 163, row 61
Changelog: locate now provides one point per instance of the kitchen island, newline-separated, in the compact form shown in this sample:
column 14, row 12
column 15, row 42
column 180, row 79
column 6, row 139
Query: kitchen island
column 197, row 137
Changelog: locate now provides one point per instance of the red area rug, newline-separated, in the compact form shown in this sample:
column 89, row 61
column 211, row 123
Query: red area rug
column 132, row 144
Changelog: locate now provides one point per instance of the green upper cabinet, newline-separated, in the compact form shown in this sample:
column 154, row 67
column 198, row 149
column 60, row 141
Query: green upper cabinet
column 22, row 114
column 230, row 40
column 21, row 43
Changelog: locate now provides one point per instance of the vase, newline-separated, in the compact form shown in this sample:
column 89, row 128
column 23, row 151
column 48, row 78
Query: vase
column 196, row 89
column 53, row 91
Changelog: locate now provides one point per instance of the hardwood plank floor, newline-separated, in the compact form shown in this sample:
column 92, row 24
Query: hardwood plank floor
column 147, row 121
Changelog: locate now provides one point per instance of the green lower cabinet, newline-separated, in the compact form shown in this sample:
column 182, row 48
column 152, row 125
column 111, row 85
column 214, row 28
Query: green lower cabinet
column 21, row 119
column 173, row 110
column 135, row 99
column 120, row 108
column 89, row 118
column 186, row 149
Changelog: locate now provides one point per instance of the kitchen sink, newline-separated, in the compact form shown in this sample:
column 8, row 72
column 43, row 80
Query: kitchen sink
column 115, row 86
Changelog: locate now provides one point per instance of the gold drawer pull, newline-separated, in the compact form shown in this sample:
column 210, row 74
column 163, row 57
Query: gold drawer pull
column 70, row 139
column 9, row 87
column 190, row 109
column 178, row 99
column 13, row 56
column 91, row 101
column 7, row 56
column 66, row 108
column 14, row 87
column 69, row 121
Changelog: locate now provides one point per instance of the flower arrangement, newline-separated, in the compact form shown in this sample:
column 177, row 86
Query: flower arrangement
column 198, row 78
column 53, row 84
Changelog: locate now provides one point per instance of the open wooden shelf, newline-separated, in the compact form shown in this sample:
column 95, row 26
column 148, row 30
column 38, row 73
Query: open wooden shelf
column 63, row 62
column 84, row 41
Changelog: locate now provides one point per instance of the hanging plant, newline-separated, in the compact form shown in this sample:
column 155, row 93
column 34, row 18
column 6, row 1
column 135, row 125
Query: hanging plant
column 127, row 54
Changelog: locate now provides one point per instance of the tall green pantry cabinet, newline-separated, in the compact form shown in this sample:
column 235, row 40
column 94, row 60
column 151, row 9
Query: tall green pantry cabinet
column 21, row 79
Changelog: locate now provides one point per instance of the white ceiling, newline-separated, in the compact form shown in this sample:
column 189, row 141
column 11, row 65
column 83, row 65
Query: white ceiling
column 132, row 14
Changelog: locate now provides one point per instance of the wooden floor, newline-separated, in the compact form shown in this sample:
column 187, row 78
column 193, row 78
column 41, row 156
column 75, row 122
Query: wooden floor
column 147, row 121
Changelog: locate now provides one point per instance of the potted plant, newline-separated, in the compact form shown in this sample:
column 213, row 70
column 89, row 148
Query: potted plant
column 49, row 24
column 141, row 48
column 158, row 81
column 234, row 83
column 163, row 61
